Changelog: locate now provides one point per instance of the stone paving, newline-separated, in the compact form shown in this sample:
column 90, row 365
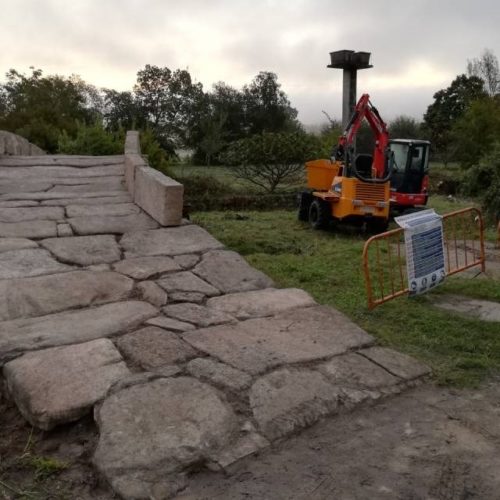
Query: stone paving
column 185, row 354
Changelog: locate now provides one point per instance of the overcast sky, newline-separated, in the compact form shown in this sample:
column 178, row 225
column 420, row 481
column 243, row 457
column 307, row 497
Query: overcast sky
column 417, row 46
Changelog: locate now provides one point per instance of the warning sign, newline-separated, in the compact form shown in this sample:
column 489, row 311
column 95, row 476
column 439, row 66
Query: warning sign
column 424, row 250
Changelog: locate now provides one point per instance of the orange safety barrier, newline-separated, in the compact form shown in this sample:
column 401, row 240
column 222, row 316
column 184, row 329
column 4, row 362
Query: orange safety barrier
column 384, row 262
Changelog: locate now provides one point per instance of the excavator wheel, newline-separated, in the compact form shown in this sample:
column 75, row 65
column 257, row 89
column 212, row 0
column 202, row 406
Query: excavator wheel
column 377, row 226
column 305, row 200
column 319, row 214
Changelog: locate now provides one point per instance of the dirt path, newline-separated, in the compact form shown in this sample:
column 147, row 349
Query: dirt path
column 429, row 443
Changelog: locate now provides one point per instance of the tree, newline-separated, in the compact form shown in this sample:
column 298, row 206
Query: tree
column 267, row 108
column 477, row 130
column 212, row 140
column 486, row 68
column 448, row 106
column 40, row 107
column 405, row 127
column 170, row 102
column 272, row 159
column 120, row 111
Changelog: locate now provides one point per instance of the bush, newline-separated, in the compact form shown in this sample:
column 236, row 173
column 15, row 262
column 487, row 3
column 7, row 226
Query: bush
column 483, row 180
column 91, row 140
column 155, row 154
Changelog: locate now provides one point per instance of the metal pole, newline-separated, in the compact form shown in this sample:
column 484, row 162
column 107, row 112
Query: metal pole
column 350, row 77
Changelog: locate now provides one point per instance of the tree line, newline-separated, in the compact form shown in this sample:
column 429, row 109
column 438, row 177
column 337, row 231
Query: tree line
column 230, row 125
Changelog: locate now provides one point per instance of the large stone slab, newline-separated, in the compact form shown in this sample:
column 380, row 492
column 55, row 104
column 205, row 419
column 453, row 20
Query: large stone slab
column 150, row 431
column 61, row 202
column 105, row 224
column 187, row 282
column 152, row 347
column 398, row 364
column 114, row 185
column 355, row 371
column 31, row 213
column 24, row 187
column 102, row 210
column 158, row 195
column 86, row 370
column 58, row 194
column 27, row 297
column 298, row 336
column 484, row 310
column 8, row 244
column 142, row 268
column 72, row 327
column 47, row 172
column 196, row 314
column 257, row 303
column 79, row 161
column 28, row 229
column 286, row 400
column 84, row 250
column 170, row 241
column 74, row 181
column 18, row 203
column 229, row 272
column 27, row 262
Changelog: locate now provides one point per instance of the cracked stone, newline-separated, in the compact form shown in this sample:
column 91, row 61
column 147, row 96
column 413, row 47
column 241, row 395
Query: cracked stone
column 398, row 364
column 39, row 296
column 286, row 400
column 187, row 261
column 151, row 292
column 257, row 303
column 355, row 371
column 219, row 374
column 84, row 250
column 62, row 202
column 71, row 327
column 169, row 424
column 230, row 272
column 187, row 282
column 29, row 262
column 170, row 324
column 298, row 336
column 169, row 241
column 142, row 268
column 197, row 298
column 88, row 370
column 152, row 347
column 485, row 310
column 196, row 314
column 64, row 230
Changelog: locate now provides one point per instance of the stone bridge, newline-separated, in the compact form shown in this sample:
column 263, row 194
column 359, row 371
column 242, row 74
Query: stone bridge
column 187, row 356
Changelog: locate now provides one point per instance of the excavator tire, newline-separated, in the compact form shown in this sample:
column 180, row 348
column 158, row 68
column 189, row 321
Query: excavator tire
column 305, row 200
column 377, row 226
column 319, row 214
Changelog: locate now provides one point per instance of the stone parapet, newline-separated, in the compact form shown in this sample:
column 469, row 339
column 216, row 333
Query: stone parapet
column 158, row 195
column 13, row 144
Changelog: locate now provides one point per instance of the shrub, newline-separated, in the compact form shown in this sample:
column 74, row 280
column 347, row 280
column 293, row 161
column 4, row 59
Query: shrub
column 91, row 140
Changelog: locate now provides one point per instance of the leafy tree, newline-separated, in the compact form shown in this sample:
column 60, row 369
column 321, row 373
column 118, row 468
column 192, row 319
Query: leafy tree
column 120, row 111
column 486, row 68
column 448, row 106
column 405, row 127
column 477, row 130
column 41, row 107
column 170, row 102
column 272, row 159
column 212, row 141
column 267, row 108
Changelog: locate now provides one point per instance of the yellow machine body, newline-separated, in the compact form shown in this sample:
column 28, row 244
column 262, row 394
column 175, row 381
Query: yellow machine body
column 347, row 196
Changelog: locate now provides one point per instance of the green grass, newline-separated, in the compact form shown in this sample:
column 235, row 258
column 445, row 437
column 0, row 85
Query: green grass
column 460, row 350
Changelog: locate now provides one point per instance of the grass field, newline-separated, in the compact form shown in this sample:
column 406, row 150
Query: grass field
column 461, row 351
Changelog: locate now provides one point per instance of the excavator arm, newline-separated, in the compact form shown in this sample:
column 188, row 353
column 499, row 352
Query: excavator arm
column 365, row 110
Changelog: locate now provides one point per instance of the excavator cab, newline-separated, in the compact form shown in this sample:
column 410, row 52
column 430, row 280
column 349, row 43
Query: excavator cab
column 409, row 179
